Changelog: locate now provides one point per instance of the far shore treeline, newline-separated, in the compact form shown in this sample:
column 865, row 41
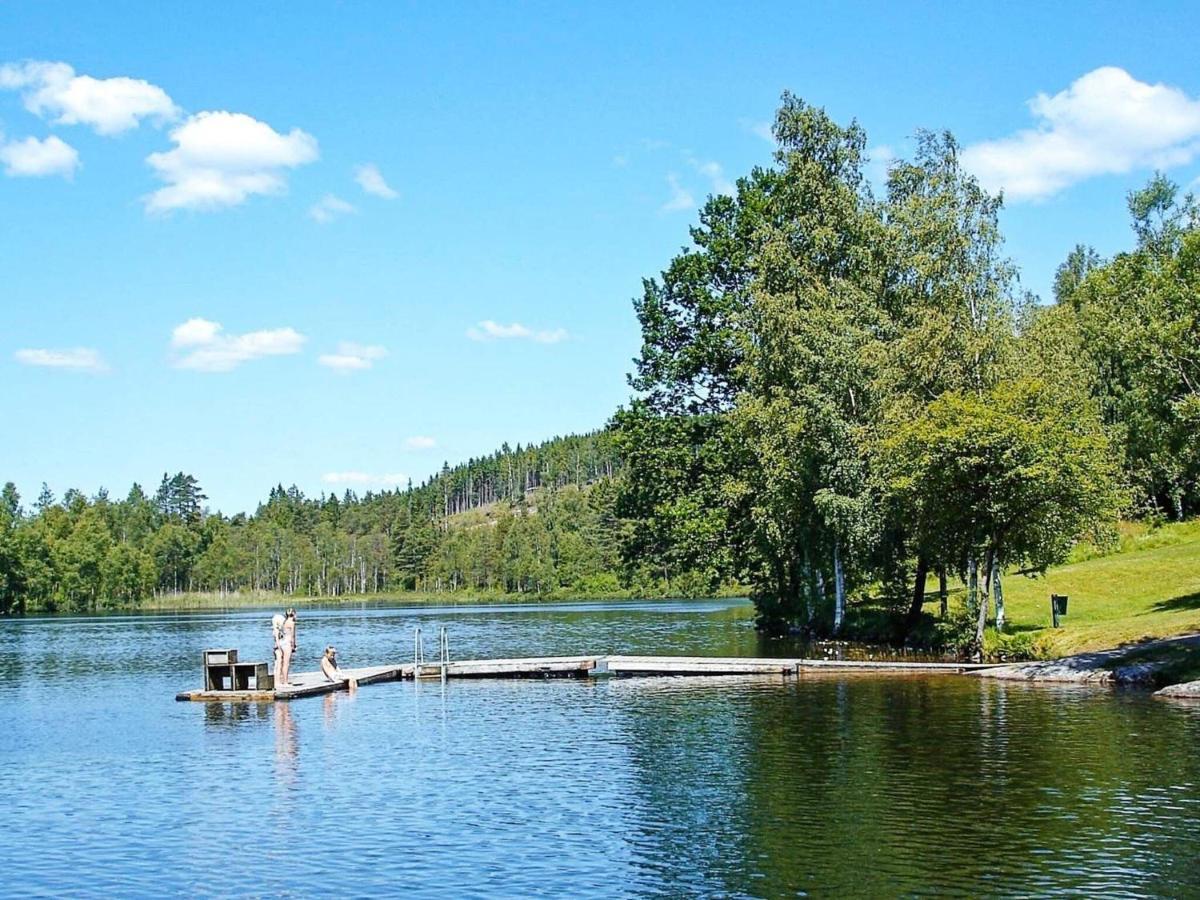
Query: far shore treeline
column 841, row 397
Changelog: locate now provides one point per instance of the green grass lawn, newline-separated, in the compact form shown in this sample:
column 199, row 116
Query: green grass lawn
column 1149, row 588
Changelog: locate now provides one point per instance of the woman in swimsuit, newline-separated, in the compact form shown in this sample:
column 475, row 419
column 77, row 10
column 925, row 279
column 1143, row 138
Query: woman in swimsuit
column 287, row 643
column 277, row 637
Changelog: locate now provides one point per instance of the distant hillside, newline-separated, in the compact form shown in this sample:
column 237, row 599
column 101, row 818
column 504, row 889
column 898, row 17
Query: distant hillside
column 510, row 473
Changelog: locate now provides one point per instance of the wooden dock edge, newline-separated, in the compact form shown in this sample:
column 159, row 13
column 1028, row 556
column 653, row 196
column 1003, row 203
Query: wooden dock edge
column 311, row 684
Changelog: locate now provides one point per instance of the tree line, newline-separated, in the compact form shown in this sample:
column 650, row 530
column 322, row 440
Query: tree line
column 841, row 394
column 534, row 519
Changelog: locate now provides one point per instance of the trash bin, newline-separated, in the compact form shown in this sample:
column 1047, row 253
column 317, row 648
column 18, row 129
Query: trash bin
column 1058, row 607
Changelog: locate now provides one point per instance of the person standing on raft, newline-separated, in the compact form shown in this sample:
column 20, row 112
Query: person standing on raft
column 277, row 636
column 286, row 643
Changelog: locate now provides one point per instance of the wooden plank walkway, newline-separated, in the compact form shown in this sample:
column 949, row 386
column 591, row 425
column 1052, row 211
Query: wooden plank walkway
column 711, row 665
column 307, row 684
column 528, row 667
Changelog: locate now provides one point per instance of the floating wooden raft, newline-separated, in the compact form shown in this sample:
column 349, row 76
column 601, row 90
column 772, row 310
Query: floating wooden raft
column 306, row 684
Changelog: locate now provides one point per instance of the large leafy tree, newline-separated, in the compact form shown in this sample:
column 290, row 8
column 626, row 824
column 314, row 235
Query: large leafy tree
column 739, row 449
column 809, row 341
column 1016, row 476
column 952, row 295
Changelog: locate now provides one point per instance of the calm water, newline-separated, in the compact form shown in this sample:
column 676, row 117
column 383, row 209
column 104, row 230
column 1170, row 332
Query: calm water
column 662, row 787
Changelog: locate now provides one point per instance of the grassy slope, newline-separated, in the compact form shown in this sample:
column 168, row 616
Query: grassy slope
column 1149, row 588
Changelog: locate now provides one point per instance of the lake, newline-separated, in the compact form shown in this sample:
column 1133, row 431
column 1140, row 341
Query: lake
column 667, row 787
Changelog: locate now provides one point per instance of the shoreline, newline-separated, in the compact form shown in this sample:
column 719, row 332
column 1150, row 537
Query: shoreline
column 1170, row 664
column 417, row 601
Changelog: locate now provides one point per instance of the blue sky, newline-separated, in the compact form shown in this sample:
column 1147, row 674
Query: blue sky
column 333, row 244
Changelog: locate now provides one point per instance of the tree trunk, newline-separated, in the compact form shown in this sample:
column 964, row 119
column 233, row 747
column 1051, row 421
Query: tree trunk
column 981, row 607
column 818, row 599
column 839, row 588
column 918, row 597
column 998, row 595
column 943, row 594
column 972, row 585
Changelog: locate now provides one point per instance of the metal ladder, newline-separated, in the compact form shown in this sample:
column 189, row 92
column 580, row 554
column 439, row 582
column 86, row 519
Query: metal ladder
column 419, row 652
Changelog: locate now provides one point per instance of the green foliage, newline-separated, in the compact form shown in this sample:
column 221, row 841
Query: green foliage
column 673, row 495
column 1072, row 272
column 956, row 632
column 1002, row 647
column 1139, row 323
column 1030, row 474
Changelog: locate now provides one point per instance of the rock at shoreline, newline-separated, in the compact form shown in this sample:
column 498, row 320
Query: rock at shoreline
column 1085, row 669
column 1136, row 664
column 1188, row 689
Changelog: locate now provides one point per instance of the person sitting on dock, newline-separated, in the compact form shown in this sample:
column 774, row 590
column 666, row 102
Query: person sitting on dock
column 329, row 668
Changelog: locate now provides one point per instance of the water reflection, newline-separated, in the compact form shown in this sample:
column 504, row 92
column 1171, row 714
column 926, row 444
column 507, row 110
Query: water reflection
column 231, row 715
column 759, row 786
column 287, row 743
column 870, row 787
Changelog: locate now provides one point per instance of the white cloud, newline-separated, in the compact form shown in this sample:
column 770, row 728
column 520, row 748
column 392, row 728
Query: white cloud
column 879, row 161
column 33, row 158
column 681, row 199
column 713, row 172
column 221, row 158
column 109, row 105
column 759, row 129
column 371, row 180
column 420, row 442
column 621, row 160
column 365, row 478
column 329, row 208
column 487, row 330
column 1106, row 122
column 204, row 346
column 352, row 357
column 195, row 332
column 80, row 359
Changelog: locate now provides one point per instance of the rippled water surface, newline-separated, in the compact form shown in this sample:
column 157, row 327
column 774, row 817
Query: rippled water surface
column 617, row 787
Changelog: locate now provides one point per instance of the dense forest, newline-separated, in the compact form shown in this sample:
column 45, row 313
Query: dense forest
column 839, row 397
column 535, row 519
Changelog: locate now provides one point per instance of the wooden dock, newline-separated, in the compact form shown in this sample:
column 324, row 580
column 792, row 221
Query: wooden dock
column 307, row 684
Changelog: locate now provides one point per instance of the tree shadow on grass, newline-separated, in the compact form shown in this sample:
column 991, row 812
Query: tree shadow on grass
column 1175, row 604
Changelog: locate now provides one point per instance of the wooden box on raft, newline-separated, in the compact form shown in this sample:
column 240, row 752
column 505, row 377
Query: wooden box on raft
column 223, row 672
